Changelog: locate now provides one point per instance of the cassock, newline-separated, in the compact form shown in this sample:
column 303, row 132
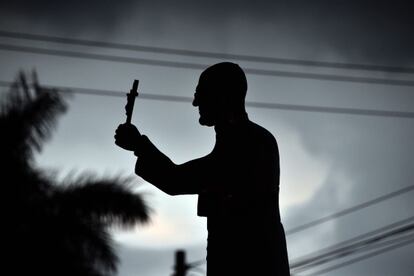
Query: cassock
column 238, row 189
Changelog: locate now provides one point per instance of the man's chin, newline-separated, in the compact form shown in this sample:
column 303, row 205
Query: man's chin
column 205, row 122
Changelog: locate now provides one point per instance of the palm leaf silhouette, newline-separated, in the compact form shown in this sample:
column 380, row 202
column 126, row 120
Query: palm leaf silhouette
column 58, row 228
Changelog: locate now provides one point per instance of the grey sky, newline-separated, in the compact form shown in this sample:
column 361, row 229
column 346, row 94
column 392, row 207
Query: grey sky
column 378, row 31
column 328, row 162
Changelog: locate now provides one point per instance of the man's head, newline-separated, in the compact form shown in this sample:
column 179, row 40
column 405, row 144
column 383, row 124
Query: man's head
column 220, row 93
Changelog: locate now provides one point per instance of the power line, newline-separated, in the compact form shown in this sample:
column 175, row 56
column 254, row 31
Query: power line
column 370, row 246
column 349, row 210
column 205, row 54
column 321, row 252
column 198, row 66
column 376, row 240
column 195, row 264
column 373, row 241
column 332, row 110
column 404, row 242
column 273, row 106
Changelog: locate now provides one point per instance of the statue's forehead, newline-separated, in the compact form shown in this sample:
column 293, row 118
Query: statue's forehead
column 203, row 82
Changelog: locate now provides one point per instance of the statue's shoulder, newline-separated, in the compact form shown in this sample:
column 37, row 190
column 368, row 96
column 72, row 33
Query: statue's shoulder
column 260, row 133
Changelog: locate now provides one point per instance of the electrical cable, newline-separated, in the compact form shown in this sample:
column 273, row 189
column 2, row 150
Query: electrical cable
column 263, row 105
column 205, row 54
column 350, row 210
column 361, row 258
column 368, row 244
column 304, row 259
column 198, row 66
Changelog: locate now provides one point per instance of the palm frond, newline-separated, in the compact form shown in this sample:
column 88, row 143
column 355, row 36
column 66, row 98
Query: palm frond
column 69, row 245
column 60, row 229
column 107, row 200
column 29, row 113
column 87, row 244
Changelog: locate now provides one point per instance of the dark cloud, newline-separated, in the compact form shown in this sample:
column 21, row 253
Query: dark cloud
column 374, row 31
column 69, row 16
column 372, row 154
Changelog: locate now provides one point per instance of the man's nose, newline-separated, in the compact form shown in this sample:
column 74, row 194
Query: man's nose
column 195, row 101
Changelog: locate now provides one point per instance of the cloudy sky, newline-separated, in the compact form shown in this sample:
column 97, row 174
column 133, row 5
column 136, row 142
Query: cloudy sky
column 329, row 161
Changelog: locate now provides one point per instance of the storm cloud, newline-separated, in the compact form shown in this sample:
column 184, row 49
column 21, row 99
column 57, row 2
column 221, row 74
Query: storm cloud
column 378, row 32
column 328, row 162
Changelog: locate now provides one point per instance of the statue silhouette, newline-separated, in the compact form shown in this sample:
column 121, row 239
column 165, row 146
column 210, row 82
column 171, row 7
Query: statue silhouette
column 237, row 183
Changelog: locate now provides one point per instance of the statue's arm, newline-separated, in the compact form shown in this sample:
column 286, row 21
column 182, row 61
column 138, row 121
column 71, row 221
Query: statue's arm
column 156, row 168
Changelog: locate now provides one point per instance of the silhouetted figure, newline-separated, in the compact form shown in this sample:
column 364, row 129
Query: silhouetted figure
column 237, row 183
